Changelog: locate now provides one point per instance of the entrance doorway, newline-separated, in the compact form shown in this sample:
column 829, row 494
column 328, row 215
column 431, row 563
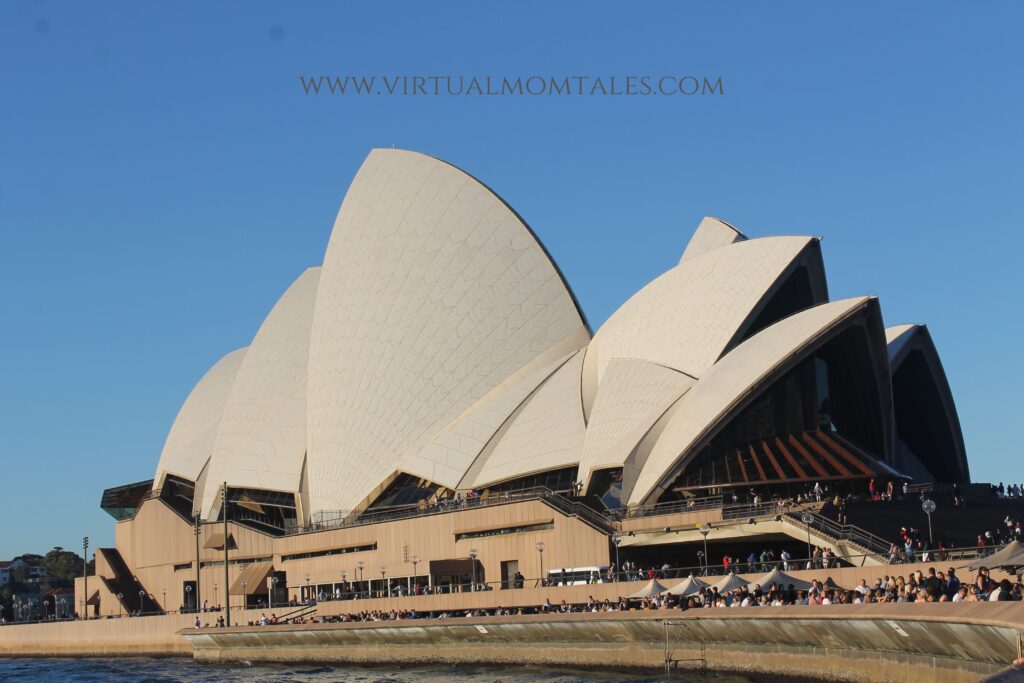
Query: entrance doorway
column 509, row 569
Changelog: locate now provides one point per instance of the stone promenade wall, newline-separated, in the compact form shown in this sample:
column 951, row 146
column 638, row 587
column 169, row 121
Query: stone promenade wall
column 150, row 636
column 934, row 642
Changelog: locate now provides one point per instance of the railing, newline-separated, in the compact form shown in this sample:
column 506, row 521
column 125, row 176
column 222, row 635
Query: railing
column 574, row 508
column 609, row 520
column 395, row 589
column 841, row 532
column 398, row 587
column 342, row 519
column 691, row 505
column 753, row 510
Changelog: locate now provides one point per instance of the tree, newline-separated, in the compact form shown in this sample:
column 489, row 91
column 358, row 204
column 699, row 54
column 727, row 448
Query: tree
column 63, row 564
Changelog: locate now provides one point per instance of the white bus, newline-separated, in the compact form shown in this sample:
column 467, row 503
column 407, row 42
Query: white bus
column 577, row 576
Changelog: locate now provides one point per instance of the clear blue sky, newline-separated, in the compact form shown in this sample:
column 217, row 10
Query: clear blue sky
column 163, row 178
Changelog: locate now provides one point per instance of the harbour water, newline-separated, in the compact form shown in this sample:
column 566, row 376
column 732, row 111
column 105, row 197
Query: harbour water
column 183, row 670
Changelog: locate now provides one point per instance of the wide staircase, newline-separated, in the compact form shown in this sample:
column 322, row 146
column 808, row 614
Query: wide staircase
column 123, row 584
column 850, row 543
column 955, row 527
column 582, row 509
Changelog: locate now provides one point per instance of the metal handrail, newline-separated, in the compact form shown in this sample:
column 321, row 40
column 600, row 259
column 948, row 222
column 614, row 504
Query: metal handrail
column 949, row 555
column 692, row 505
column 345, row 519
column 842, row 532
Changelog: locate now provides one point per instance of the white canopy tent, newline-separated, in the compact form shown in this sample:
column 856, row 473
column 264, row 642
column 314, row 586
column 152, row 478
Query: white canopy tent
column 783, row 580
column 689, row 586
column 1010, row 557
column 730, row 582
column 652, row 589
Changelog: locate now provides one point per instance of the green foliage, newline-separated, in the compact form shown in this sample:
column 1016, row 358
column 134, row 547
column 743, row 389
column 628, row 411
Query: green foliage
column 63, row 564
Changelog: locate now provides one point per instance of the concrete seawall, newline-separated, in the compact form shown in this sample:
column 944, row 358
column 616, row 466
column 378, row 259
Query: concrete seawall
column 933, row 642
column 145, row 636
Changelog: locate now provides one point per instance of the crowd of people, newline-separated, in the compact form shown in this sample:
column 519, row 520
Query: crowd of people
column 1008, row 530
column 932, row 586
column 1010, row 491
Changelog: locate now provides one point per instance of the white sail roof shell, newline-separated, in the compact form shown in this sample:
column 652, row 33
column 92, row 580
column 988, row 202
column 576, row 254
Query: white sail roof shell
column 730, row 381
column 190, row 440
column 632, row 396
column 711, row 234
column 686, row 317
column 433, row 293
column 261, row 440
column 546, row 433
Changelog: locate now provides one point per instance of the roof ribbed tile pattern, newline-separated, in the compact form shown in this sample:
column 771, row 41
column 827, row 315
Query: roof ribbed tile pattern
column 546, row 433
column 189, row 443
column 262, row 436
column 730, row 382
column 631, row 398
column 685, row 318
column 711, row 234
column 433, row 293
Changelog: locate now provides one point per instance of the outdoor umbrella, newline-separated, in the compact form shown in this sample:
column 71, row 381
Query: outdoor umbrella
column 1010, row 557
column 783, row 580
column 649, row 591
column 689, row 586
column 730, row 582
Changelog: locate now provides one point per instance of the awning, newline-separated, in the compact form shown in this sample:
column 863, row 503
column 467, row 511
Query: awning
column 253, row 579
column 216, row 542
column 452, row 567
column 1009, row 558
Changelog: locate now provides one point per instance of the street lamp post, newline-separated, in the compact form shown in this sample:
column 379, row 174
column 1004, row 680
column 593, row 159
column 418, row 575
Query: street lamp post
column 807, row 518
column 188, row 596
column 245, row 595
column 705, row 529
column 163, row 591
column 384, row 588
column 472, row 556
column 344, row 581
column 227, row 564
column 415, row 559
column 198, row 532
column 142, row 601
column 540, row 549
column 616, row 539
column 214, row 593
column 120, row 604
column 928, row 505
column 307, row 587
column 359, row 568
column 273, row 590
column 85, row 575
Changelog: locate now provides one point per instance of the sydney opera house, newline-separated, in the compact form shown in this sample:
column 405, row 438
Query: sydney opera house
column 430, row 403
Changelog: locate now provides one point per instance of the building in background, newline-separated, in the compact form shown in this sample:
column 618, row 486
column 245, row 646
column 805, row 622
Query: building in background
column 430, row 407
